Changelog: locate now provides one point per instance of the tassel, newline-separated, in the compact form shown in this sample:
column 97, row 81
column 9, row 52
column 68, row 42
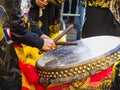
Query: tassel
column 39, row 87
column 30, row 72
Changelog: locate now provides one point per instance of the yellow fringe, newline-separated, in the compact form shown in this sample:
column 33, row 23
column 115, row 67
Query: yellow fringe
column 28, row 55
column 114, row 69
column 79, row 85
column 1, row 31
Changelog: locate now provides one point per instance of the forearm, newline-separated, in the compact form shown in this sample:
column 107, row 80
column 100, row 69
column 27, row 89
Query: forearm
column 30, row 39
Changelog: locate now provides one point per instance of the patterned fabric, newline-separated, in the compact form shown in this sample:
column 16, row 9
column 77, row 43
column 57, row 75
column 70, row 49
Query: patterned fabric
column 9, row 67
column 114, row 7
column 97, row 3
column 99, row 81
column 116, row 76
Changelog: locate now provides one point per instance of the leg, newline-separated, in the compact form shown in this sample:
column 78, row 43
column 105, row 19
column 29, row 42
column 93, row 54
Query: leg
column 79, row 20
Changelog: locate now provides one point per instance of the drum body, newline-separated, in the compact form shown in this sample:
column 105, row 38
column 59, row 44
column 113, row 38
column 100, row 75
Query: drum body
column 71, row 63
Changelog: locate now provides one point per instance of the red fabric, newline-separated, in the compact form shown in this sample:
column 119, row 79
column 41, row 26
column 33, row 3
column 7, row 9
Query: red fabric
column 95, row 78
column 25, row 88
column 101, row 75
column 39, row 87
column 17, row 45
column 61, row 87
column 30, row 73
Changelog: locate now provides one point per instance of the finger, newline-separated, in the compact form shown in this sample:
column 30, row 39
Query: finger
column 52, row 46
column 43, row 3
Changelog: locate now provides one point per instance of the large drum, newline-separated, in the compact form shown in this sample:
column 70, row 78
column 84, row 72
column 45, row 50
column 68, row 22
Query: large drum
column 71, row 63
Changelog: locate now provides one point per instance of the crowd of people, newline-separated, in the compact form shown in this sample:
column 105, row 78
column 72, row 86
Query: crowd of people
column 28, row 22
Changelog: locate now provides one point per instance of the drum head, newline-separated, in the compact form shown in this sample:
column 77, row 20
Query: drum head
column 69, row 63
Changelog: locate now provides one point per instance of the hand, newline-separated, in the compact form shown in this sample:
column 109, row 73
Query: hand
column 41, row 3
column 44, row 36
column 48, row 45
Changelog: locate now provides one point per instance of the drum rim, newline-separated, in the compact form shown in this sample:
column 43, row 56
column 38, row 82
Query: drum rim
column 82, row 63
column 83, row 71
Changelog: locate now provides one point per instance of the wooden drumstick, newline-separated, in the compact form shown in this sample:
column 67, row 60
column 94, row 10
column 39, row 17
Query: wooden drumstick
column 67, row 43
column 61, row 35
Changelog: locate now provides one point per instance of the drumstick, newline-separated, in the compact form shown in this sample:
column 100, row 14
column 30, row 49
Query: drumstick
column 63, row 33
column 66, row 43
column 60, row 35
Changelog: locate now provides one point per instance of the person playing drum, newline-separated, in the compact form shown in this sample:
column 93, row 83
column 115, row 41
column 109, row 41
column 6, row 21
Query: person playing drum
column 16, row 11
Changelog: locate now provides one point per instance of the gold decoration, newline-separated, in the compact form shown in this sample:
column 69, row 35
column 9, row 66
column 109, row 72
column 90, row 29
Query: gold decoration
column 80, row 72
column 39, row 23
column 40, row 12
column 1, row 30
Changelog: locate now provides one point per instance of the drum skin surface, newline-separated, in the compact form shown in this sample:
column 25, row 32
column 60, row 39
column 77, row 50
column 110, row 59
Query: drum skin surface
column 70, row 63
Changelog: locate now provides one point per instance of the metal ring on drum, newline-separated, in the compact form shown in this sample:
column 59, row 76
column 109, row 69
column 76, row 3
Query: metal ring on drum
column 72, row 63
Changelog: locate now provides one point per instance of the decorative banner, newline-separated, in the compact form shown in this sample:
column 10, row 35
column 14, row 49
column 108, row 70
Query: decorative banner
column 98, row 81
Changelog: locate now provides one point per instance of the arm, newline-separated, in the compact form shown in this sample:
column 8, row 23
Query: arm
column 19, row 32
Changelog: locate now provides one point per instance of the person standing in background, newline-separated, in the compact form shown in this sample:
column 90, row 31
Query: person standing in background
column 100, row 20
column 50, row 16
column 79, row 20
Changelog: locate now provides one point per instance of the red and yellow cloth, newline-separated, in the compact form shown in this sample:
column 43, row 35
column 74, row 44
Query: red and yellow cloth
column 27, row 59
column 30, row 77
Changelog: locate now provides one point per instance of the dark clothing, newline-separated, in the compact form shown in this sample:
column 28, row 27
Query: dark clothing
column 73, row 7
column 34, row 14
column 99, row 21
column 50, row 14
column 116, row 83
column 66, row 6
column 10, row 76
column 70, row 7
column 20, row 33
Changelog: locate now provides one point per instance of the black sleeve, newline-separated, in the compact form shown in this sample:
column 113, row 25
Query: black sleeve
column 19, row 32
column 34, row 27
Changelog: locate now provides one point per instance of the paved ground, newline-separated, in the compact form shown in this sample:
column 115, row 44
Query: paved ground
column 71, row 35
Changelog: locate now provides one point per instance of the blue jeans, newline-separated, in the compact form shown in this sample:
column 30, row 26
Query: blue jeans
column 79, row 20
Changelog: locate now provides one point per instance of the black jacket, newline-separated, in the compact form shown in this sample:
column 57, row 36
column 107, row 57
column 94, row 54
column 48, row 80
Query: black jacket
column 9, row 67
column 19, row 31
